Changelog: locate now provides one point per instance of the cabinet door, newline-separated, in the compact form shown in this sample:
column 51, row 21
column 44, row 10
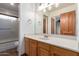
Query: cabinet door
column 63, row 52
column 71, row 23
column 43, row 52
column 43, row 49
column 33, row 48
column 52, row 51
column 67, row 22
column 27, row 48
column 64, row 23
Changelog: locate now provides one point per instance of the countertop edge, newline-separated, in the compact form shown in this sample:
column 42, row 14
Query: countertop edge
column 74, row 50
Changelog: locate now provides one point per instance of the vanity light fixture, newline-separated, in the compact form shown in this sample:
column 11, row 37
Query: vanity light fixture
column 44, row 5
column 56, row 5
column 44, row 10
column 49, row 8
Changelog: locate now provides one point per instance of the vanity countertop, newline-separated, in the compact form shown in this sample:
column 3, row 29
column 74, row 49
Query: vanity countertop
column 66, row 43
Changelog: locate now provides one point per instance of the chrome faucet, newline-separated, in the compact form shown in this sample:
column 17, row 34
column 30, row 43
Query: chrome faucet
column 46, row 37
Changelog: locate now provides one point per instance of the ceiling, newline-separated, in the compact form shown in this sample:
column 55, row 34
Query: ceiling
column 61, row 5
column 16, row 6
column 9, row 6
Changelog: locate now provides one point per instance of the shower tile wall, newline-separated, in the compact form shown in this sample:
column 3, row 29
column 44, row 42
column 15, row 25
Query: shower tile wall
column 8, row 28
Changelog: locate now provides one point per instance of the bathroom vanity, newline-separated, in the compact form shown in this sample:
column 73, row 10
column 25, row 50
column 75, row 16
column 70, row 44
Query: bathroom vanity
column 60, row 27
column 37, row 45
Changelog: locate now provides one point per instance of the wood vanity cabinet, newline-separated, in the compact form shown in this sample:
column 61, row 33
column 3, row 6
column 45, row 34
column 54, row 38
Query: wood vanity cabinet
column 36, row 48
column 30, row 47
column 57, row 51
column 33, row 47
column 67, row 23
column 43, row 49
column 27, row 46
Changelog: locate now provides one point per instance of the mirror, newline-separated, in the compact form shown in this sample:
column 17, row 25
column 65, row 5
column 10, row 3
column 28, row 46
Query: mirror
column 57, row 24
column 60, row 20
column 45, row 24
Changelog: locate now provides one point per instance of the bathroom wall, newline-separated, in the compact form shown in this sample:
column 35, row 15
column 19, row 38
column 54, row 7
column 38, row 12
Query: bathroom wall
column 27, row 20
column 30, row 22
column 39, row 20
column 77, row 22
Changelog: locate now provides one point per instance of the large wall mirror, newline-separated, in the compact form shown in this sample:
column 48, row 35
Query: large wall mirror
column 60, row 20
column 45, row 24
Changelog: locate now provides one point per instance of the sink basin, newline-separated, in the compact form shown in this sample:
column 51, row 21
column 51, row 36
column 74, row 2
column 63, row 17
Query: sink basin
column 44, row 37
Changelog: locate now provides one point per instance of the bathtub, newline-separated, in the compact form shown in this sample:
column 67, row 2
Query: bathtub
column 8, row 43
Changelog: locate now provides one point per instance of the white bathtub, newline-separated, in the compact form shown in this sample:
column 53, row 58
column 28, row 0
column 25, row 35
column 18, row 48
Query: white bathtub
column 8, row 43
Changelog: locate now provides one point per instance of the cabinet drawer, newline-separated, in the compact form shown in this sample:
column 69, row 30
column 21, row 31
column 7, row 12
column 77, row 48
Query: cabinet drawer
column 63, row 52
column 33, row 42
column 33, row 47
column 43, row 45
column 43, row 52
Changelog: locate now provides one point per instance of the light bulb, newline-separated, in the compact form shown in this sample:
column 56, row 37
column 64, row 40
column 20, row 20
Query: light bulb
column 44, row 10
column 49, row 8
column 56, row 5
